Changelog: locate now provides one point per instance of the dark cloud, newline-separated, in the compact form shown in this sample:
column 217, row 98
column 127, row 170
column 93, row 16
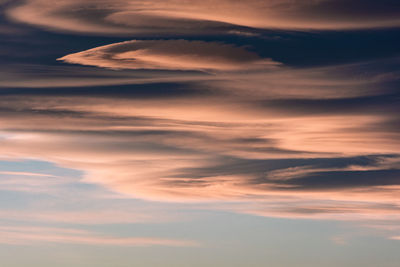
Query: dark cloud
column 345, row 179
column 376, row 104
column 150, row 90
column 259, row 169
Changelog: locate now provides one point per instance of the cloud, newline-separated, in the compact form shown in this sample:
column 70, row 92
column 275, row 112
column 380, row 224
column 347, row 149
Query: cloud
column 40, row 77
column 25, row 174
column 106, row 214
column 20, row 235
column 170, row 55
column 279, row 128
column 26, row 182
column 197, row 122
column 217, row 68
column 181, row 150
column 127, row 17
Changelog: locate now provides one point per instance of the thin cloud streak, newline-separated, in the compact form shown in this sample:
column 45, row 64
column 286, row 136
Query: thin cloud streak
column 33, row 235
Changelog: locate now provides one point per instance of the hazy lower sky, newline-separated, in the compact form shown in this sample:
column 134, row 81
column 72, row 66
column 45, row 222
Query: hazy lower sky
column 199, row 133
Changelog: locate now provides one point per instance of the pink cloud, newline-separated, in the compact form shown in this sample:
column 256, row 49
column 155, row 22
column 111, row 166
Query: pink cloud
column 265, row 139
column 124, row 17
column 16, row 235
column 170, row 55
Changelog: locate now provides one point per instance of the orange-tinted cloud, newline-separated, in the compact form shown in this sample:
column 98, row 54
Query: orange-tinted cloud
column 186, row 17
column 283, row 142
column 180, row 150
column 170, row 55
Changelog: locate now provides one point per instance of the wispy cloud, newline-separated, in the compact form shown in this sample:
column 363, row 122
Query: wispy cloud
column 16, row 235
column 229, row 151
column 125, row 17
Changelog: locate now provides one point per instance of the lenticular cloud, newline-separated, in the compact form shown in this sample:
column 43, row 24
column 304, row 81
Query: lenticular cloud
column 170, row 55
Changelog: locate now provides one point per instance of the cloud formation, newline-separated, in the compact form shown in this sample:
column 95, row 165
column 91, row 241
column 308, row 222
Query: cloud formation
column 33, row 235
column 185, row 121
column 124, row 17
column 283, row 138
column 237, row 149
column 170, row 55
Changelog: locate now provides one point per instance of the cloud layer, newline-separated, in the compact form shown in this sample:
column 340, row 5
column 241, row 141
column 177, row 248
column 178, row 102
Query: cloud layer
column 279, row 152
column 211, row 16
column 206, row 119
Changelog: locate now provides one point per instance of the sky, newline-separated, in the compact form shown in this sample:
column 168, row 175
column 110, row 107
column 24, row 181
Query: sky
column 199, row 133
